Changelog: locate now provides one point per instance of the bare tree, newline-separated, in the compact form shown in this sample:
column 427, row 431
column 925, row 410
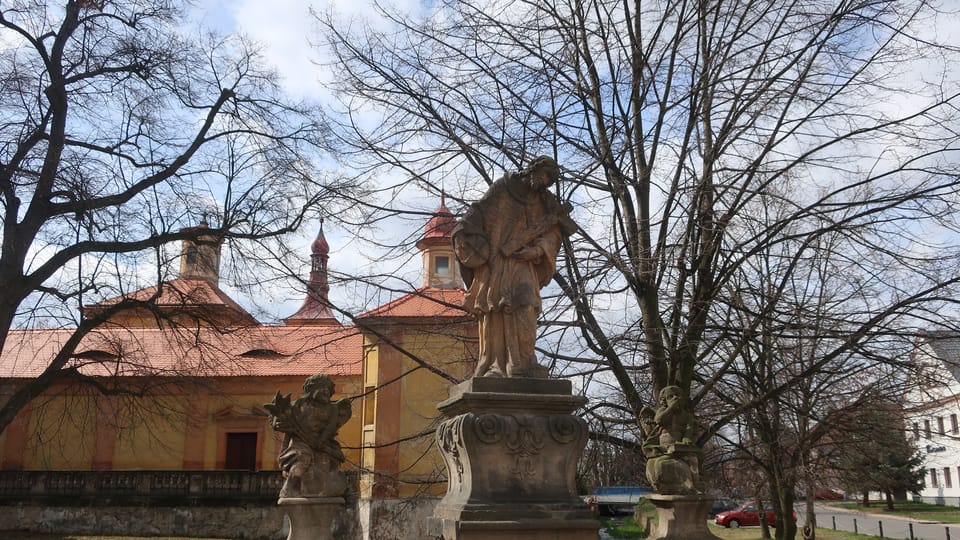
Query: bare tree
column 121, row 132
column 672, row 120
column 795, row 378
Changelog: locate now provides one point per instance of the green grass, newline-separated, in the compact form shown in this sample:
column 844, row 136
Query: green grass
column 915, row 510
column 753, row 533
column 627, row 529
column 630, row 529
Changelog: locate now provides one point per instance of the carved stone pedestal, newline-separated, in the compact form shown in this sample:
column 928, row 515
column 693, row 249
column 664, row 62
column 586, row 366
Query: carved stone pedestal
column 511, row 448
column 311, row 518
column 682, row 517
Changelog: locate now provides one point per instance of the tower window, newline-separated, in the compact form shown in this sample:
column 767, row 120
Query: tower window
column 192, row 255
column 442, row 265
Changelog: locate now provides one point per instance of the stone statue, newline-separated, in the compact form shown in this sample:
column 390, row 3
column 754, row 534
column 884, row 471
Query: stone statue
column 310, row 455
column 673, row 458
column 507, row 245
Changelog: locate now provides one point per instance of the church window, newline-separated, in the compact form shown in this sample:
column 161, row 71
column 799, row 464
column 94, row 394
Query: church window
column 192, row 255
column 442, row 265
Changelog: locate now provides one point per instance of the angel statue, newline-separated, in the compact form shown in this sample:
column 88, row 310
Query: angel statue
column 310, row 455
column 673, row 457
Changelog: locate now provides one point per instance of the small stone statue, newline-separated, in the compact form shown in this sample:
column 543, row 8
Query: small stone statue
column 507, row 245
column 310, row 455
column 673, row 458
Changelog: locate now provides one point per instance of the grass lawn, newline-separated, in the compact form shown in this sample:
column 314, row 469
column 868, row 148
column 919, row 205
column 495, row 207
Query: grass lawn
column 915, row 510
column 629, row 529
column 753, row 533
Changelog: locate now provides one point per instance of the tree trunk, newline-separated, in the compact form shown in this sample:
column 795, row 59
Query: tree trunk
column 783, row 506
column 764, row 528
column 866, row 498
column 889, row 495
column 810, row 529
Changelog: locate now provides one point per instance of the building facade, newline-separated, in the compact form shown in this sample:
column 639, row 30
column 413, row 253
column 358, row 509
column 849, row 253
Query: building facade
column 932, row 415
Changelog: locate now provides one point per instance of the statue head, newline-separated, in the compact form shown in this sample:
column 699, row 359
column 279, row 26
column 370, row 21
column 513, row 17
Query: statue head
column 670, row 395
column 543, row 172
column 319, row 386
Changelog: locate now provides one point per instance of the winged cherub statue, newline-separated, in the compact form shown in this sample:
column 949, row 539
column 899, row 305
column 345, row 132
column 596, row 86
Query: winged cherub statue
column 310, row 455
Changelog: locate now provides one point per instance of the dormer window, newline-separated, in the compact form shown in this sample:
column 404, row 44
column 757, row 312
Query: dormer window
column 442, row 266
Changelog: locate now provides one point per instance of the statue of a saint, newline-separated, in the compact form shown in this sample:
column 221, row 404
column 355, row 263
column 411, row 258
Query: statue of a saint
column 310, row 455
column 507, row 245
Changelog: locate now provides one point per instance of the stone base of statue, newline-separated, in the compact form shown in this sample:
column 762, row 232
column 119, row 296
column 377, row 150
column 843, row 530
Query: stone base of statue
column 682, row 517
column 312, row 518
column 511, row 448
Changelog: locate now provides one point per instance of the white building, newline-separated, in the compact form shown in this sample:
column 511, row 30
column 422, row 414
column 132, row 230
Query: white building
column 932, row 415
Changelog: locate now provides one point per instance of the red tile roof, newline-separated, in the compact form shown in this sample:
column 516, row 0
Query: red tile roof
column 185, row 293
column 428, row 302
column 203, row 352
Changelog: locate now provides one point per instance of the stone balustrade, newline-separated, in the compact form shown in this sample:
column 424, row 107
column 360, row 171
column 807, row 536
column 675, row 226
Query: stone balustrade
column 139, row 487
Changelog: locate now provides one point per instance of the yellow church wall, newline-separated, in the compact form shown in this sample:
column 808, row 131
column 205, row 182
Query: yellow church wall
column 184, row 431
column 150, row 435
column 420, row 464
column 60, row 433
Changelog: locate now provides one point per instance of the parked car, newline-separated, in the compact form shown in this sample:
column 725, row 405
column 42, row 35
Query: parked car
column 828, row 495
column 747, row 515
column 614, row 500
column 722, row 505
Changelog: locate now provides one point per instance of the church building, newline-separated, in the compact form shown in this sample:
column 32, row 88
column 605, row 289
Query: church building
column 176, row 380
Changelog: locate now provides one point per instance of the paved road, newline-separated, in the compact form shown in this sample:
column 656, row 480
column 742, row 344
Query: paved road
column 871, row 524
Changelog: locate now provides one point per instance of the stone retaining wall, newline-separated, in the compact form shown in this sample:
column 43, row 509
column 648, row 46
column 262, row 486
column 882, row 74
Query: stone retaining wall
column 398, row 519
column 256, row 523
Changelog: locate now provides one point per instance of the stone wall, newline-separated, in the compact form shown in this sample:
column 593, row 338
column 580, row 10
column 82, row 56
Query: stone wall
column 398, row 519
column 249, row 522
column 254, row 522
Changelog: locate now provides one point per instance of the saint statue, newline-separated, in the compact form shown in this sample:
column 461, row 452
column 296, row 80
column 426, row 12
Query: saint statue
column 310, row 455
column 507, row 245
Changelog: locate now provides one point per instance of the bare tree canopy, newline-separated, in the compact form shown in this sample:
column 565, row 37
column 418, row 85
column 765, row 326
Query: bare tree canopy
column 120, row 132
column 703, row 144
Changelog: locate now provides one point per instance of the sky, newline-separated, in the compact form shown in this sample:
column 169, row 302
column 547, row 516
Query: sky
column 287, row 31
column 287, row 34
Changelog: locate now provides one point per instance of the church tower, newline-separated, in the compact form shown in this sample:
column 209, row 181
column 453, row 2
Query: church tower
column 439, row 264
column 200, row 258
column 316, row 308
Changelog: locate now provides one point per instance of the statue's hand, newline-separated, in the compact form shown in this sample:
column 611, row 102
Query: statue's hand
column 281, row 425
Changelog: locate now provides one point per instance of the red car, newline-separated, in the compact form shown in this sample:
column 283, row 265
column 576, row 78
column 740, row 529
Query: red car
column 746, row 516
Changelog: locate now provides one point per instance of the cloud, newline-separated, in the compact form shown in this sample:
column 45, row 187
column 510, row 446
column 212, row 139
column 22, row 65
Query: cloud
column 288, row 33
